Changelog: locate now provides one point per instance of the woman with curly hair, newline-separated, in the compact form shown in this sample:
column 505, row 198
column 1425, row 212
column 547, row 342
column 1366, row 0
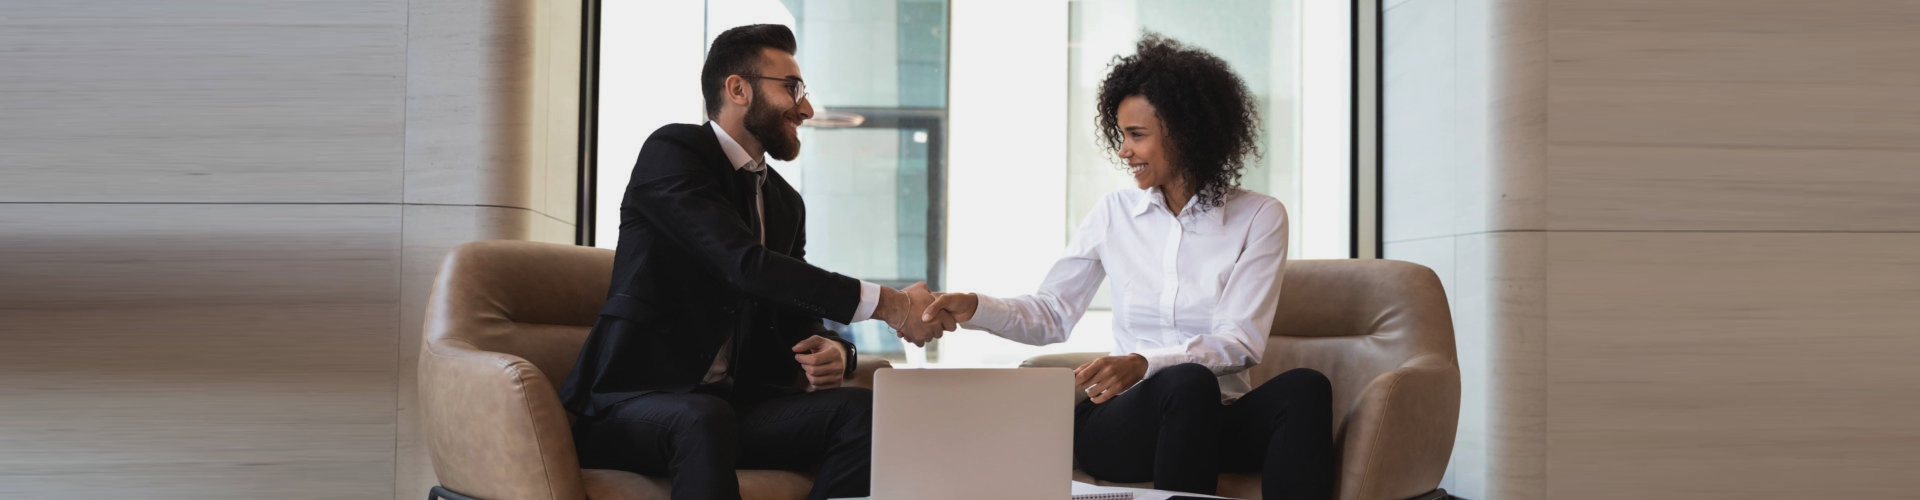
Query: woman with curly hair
column 1196, row 264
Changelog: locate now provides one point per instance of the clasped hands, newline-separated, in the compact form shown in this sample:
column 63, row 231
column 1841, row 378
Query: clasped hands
column 938, row 313
column 918, row 315
column 909, row 311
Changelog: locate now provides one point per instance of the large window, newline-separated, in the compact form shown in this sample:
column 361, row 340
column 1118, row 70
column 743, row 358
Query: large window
column 954, row 144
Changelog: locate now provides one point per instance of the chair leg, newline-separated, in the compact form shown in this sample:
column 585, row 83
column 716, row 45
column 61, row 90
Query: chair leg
column 442, row 493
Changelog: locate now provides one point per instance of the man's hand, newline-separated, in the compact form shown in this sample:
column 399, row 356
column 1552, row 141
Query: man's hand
column 901, row 310
column 825, row 362
column 1107, row 377
column 951, row 309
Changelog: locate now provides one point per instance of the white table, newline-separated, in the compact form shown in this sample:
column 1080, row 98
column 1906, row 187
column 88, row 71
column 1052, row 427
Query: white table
column 1080, row 488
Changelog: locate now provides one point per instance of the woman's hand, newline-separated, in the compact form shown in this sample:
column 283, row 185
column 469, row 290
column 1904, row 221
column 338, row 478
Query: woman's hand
column 951, row 309
column 1107, row 377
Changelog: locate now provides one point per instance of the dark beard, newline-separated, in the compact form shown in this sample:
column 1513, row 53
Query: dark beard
column 768, row 126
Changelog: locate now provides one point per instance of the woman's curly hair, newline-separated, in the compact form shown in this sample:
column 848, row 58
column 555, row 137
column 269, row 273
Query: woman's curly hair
column 1210, row 117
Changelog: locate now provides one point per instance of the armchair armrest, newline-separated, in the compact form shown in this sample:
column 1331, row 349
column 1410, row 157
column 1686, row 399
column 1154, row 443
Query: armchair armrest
column 1064, row 360
column 1400, row 431
column 494, row 425
column 864, row 368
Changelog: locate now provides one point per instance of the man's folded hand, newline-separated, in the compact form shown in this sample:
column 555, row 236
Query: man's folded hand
column 824, row 361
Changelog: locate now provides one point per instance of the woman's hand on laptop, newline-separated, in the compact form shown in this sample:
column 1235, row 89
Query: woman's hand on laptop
column 1107, row 377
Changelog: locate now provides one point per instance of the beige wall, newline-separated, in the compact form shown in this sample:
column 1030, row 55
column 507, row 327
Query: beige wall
column 492, row 127
column 1679, row 239
column 218, row 222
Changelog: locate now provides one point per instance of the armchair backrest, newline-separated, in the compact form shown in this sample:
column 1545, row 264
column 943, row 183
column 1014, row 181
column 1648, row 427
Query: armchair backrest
column 1379, row 330
column 528, row 299
column 504, row 325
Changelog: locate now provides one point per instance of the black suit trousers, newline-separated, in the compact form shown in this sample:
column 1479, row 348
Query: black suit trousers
column 1172, row 430
column 698, row 439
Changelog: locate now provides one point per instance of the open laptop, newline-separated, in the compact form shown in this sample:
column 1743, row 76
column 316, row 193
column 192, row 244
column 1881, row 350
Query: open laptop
column 954, row 434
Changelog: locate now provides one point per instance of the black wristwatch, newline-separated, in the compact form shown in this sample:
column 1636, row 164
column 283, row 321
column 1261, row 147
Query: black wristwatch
column 853, row 356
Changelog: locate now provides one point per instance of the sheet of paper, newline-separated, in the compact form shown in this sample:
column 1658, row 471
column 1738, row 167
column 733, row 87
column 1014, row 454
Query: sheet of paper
column 1080, row 488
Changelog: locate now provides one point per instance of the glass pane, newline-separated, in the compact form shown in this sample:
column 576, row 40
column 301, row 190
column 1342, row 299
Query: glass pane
column 866, row 192
column 649, row 76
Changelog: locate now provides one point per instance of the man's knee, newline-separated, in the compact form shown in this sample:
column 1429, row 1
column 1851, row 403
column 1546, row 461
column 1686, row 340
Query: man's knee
column 855, row 404
column 704, row 415
column 852, row 398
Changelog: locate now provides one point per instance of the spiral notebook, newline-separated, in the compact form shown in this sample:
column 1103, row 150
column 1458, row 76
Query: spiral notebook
column 1120, row 495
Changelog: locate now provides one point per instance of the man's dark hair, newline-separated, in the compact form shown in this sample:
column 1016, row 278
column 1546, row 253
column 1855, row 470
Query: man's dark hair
column 1208, row 113
column 737, row 52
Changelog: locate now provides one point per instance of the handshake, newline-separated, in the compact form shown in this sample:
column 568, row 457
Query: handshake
column 918, row 315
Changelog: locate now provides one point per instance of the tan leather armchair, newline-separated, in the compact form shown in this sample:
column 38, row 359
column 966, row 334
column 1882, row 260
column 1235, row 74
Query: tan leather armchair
column 504, row 325
column 1381, row 332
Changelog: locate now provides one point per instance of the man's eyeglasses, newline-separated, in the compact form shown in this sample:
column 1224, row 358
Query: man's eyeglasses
column 795, row 85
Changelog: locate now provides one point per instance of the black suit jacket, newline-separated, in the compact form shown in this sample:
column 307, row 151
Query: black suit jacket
column 690, row 272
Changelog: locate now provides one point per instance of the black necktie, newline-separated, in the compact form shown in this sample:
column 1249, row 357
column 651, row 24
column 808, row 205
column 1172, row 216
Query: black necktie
column 757, row 175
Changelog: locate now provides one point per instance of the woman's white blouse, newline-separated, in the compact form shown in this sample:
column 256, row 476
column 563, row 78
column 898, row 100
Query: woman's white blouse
column 1198, row 288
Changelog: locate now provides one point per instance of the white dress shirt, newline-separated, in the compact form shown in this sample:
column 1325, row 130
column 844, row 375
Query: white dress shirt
column 869, row 292
column 1198, row 288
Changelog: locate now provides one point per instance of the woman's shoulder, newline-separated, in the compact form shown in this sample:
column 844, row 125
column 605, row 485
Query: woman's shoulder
column 1254, row 205
column 1247, row 199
